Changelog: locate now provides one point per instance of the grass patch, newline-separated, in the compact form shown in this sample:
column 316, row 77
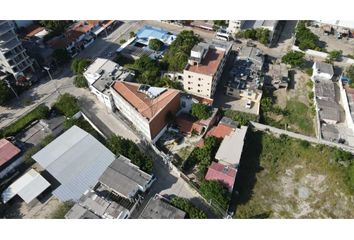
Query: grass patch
column 274, row 169
column 39, row 112
column 62, row 209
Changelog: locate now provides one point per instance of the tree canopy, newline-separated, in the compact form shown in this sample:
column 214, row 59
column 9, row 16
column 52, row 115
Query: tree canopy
column 334, row 55
column 350, row 72
column 201, row 111
column 155, row 44
column 127, row 148
column 67, row 104
column 259, row 34
column 293, row 58
column 5, row 93
column 178, row 52
column 216, row 192
column 304, row 37
column 61, row 56
column 186, row 205
column 80, row 81
column 78, row 65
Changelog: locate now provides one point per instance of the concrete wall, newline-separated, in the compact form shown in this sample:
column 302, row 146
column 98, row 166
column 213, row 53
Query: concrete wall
column 191, row 80
column 345, row 103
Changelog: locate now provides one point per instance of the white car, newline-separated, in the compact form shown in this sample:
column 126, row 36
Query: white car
column 248, row 104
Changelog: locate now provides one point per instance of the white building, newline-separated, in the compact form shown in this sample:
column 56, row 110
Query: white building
column 235, row 26
column 204, row 68
column 323, row 71
column 101, row 74
column 238, row 25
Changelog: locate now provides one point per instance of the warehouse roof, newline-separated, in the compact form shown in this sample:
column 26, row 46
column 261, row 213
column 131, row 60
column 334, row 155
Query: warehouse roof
column 231, row 147
column 124, row 178
column 77, row 160
column 28, row 187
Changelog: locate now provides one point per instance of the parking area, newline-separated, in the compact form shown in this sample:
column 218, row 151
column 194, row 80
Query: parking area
column 331, row 41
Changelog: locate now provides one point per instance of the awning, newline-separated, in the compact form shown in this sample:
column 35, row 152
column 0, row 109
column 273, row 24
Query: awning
column 28, row 187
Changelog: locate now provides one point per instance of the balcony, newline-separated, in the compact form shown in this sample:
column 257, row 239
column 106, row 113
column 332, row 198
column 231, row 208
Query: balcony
column 4, row 27
column 6, row 46
column 7, row 37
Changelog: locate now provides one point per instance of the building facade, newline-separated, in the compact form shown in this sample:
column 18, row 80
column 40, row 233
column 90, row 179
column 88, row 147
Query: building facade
column 13, row 57
column 204, row 68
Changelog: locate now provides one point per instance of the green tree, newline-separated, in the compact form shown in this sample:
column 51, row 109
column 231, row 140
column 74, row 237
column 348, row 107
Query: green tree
column 216, row 192
column 178, row 52
column 147, row 69
column 122, row 41
column 267, row 104
column 131, row 34
column 78, row 65
column 350, row 73
column 80, row 81
column 5, row 93
column 186, row 205
column 295, row 59
column 304, row 37
column 334, row 55
column 201, row 111
column 155, row 44
column 67, row 104
column 127, row 148
column 342, row 156
column 61, row 56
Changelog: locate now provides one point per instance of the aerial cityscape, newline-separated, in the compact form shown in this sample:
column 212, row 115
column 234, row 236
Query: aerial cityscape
column 176, row 119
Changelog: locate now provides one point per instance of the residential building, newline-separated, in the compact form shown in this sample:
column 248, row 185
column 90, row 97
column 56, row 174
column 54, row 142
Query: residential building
column 76, row 160
column 146, row 107
column 28, row 187
column 77, row 37
column 125, row 179
column 235, row 26
column 101, row 74
column 9, row 157
column 204, row 68
column 322, row 71
column 329, row 111
column 231, row 147
column 159, row 207
column 246, row 78
column 93, row 206
column 187, row 101
column 13, row 57
column 222, row 173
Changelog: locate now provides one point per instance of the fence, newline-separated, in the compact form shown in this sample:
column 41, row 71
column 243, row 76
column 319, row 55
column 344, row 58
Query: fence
column 278, row 131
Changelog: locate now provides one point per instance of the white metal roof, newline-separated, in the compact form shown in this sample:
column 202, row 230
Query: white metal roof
column 231, row 147
column 76, row 159
column 28, row 187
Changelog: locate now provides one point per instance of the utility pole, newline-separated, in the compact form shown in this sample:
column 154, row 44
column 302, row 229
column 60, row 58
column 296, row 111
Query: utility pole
column 50, row 76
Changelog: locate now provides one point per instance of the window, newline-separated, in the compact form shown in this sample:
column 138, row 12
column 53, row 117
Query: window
column 199, row 79
column 189, row 88
column 189, row 76
column 198, row 90
column 199, row 85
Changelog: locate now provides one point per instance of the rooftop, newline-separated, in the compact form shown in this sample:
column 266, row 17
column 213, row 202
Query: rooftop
column 259, row 24
column 148, row 32
column 159, row 208
column 251, row 54
column 228, row 122
column 328, row 110
column 209, row 64
column 220, row 172
column 220, row 131
column 7, row 151
column 145, row 105
column 124, row 178
column 230, row 150
column 324, row 67
column 186, row 124
column 77, row 160
column 28, row 187
column 329, row 132
column 325, row 89
column 79, row 212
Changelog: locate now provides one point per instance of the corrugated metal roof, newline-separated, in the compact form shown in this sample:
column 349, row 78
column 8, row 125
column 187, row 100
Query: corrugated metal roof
column 28, row 187
column 76, row 159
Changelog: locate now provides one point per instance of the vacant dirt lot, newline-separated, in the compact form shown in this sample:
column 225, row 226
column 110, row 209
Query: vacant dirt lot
column 286, row 178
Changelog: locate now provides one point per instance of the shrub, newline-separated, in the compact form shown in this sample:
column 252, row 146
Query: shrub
column 216, row 192
column 342, row 156
column 122, row 41
column 39, row 112
column 155, row 44
column 62, row 209
column 240, row 117
column 295, row 59
column 309, row 71
column 67, row 104
column 186, row 205
column 78, row 65
column 201, row 111
column 80, row 81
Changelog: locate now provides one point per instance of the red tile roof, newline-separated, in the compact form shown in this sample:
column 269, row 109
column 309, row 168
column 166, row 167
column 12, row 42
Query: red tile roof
column 32, row 30
column 146, row 106
column 187, row 124
column 220, row 172
column 220, row 131
column 209, row 63
column 7, row 151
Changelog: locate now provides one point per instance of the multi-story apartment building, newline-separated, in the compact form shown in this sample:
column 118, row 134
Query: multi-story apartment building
column 204, row 68
column 13, row 57
column 146, row 107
